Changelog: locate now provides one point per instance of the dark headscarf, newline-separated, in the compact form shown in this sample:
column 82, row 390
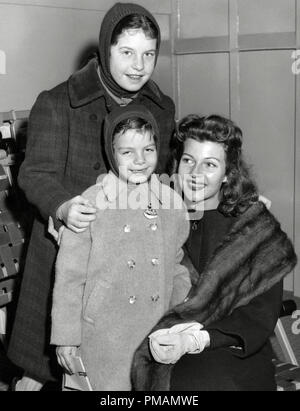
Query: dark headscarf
column 109, row 23
column 120, row 114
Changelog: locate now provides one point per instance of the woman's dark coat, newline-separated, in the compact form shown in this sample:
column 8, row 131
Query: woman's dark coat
column 238, row 294
column 225, row 368
column 63, row 158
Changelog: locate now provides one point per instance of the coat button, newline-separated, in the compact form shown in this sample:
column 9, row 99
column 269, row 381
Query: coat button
column 97, row 166
column 127, row 228
column 154, row 227
column 155, row 298
column 93, row 117
column 132, row 299
column 155, row 261
column 131, row 264
column 195, row 226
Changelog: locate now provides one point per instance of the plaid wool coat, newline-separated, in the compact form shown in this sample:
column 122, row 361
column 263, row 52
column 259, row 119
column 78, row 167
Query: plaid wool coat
column 63, row 158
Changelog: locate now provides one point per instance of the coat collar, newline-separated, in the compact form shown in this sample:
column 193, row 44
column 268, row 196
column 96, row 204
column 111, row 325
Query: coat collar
column 114, row 188
column 85, row 86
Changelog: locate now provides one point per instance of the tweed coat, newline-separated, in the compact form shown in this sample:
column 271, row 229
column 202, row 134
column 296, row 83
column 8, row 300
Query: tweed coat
column 115, row 280
column 63, row 158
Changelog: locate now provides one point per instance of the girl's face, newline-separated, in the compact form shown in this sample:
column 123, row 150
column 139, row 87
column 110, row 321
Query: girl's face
column 132, row 59
column 202, row 170
column 136, row 155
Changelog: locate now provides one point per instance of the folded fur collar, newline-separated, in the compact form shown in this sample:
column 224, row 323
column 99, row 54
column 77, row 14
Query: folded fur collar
column 255, row 255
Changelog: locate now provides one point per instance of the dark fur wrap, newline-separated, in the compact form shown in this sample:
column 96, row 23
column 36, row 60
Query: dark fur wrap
column 254, row 256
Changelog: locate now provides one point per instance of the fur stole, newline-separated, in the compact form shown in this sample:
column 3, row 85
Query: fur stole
column 254, row 256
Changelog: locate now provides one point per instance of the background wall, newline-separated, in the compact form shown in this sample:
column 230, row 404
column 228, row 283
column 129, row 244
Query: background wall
column 44, row 41
column 235, row 57
column 232, row 57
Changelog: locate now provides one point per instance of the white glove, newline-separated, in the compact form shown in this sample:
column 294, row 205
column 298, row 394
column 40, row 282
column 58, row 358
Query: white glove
column 266, row 201
column 169, row 344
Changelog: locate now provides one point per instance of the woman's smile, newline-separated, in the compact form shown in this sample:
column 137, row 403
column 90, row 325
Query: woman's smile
column 203, row 171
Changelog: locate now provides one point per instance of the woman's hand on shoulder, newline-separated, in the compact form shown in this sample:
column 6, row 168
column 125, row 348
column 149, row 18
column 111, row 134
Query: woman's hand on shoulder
column 265, row 201
column 77, row 214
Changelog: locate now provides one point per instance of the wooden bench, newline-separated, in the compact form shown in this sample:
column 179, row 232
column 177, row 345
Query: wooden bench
column 287, row 372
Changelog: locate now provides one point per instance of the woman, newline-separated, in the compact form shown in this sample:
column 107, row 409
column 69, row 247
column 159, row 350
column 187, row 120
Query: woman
column 64, row 157
column 241, row 256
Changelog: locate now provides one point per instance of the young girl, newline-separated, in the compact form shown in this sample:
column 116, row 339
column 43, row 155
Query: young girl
column 64, row 157
column 241, row 256
column 116, row 279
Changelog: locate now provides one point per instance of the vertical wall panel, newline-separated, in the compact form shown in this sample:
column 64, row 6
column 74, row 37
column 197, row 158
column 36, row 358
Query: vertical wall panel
column 266, row 16
column 43, row 46
column 203, row 18
column 204, row 85
column 297, row 157
column 267, row 119
column 163, row 71
column 267, row 116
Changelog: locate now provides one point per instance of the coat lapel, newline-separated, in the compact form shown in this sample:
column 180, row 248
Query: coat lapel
column 85, row 85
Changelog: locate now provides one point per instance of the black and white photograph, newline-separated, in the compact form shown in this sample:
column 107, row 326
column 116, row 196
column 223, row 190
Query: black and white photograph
column 149, row 198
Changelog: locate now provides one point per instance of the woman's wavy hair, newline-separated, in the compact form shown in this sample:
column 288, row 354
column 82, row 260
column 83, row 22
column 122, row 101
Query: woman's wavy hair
column 239, row 191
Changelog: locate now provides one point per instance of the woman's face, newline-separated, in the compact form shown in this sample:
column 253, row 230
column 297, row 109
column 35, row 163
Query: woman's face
column 202, row 172
column 136, row 155
column 132, row 59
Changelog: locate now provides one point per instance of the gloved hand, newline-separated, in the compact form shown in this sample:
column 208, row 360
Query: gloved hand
column 266, row 201
column 168, row 345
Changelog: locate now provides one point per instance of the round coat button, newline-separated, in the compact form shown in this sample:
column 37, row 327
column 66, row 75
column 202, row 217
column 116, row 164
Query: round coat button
column 195, row 226
column 131, row 264
column 154, row 227
column 132, row 299
column 127, row 228
column 155, row 261
column 93, row 117
column 97, row 166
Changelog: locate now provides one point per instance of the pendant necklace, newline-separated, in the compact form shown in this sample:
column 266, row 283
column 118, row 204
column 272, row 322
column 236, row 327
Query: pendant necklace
column 150, row 213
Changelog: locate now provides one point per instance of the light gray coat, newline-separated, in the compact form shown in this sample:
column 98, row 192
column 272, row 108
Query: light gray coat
column 116, row 280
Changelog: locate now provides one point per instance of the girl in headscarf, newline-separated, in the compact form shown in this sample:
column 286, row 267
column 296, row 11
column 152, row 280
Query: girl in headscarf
column 64, row 157
column 115, row 280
